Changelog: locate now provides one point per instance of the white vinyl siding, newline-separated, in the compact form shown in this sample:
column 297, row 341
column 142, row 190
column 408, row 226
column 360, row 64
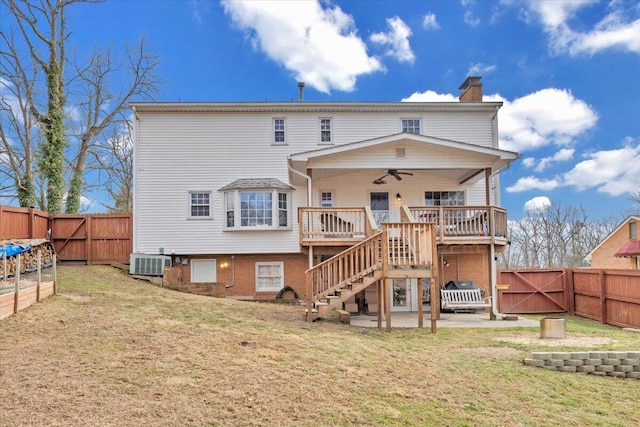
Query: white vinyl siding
column 269, row 276
column 203, row 271
column 178, row 152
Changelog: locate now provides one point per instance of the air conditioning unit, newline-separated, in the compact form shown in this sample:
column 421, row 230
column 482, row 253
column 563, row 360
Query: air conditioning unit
column 148, row 265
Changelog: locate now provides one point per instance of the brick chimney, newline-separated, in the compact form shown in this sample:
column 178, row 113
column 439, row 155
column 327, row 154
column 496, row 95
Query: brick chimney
column 471, row 90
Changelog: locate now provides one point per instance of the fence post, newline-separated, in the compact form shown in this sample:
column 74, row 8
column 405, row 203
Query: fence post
column 603, row 297
column 89, row 243
column 16, row 292
column 571, row 295
column 55, row 273
column 39, row 263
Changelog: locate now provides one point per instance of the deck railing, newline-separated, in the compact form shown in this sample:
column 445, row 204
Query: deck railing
column 408, row 245
column 464, row 221
column 320, row 224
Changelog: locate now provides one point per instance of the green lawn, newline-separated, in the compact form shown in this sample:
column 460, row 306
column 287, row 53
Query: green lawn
column 112, row 351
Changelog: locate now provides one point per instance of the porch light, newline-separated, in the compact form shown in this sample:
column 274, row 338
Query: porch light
column 398, row 197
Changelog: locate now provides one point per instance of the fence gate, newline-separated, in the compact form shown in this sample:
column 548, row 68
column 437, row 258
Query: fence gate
column 535, row 291
column 92, row 239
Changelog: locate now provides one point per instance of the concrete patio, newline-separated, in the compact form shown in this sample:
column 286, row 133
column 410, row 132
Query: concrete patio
column 447, row 320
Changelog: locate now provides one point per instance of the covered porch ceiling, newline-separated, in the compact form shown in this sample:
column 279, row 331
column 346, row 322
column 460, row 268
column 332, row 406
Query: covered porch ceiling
column 418, row 154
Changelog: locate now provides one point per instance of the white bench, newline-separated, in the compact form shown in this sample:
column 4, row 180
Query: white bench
column 463, row 299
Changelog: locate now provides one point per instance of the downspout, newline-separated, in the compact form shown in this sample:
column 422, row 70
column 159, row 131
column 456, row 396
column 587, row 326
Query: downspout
column 136, row 135
column 309, row 203
column 308, row 178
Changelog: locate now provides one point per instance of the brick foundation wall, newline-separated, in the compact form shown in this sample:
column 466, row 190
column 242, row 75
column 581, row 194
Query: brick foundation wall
column 472, row 267
column 236, row 274
column 620, row 364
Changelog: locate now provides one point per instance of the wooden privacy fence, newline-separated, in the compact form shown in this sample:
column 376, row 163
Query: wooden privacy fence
column 608, row 296
column 90, row 239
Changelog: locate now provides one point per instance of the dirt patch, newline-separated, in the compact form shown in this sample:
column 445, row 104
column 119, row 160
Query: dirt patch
column 75, row 296
column 575, row 340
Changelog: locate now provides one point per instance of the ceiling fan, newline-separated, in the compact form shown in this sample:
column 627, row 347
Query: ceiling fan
column 391, row 172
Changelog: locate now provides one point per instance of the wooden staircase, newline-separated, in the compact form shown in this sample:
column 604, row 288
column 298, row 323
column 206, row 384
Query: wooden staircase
column 398, row 251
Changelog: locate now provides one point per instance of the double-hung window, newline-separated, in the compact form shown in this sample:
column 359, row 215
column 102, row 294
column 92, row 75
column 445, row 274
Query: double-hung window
column 199, row 204
column 269, row 276
column 257, row 209
column 326, row 199
column 411, row 126
column 279, row 131
column 326, row 130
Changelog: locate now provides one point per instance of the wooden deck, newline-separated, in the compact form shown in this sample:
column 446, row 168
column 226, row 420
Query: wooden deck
column 455, row 225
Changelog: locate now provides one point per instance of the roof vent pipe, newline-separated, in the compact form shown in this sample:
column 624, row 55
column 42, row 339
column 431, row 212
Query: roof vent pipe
column 301, row 89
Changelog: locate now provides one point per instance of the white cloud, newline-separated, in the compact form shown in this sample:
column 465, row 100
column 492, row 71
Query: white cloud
column 397, row 38
column 198, row 9
column 429, row 22
column 614, row 31
column 319, row 45
column 471, row 19
column 537, row 204
column 430, row 96
column 532, row 183
column 614, row 172
column 481, row 69
column 562, row 155
column 549, row 116
column 529, row 162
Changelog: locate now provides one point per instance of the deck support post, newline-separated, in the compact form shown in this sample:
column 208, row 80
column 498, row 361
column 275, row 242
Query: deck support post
column 387, row 305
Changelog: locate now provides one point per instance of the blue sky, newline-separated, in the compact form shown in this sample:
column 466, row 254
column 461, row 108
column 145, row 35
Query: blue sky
column 567, row 72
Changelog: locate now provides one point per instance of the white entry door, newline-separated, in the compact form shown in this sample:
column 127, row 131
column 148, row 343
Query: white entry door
column 404, row 295
column 402, row 298
column 379, row 203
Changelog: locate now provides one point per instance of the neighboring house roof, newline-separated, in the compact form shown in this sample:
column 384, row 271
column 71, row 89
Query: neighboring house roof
column 622, row 224
column 253, row 183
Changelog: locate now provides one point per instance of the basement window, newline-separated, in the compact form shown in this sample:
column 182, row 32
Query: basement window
column 203, row 271
column 269, row 276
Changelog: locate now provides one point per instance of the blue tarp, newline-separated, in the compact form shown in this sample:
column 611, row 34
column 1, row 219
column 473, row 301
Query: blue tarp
column 12, row 249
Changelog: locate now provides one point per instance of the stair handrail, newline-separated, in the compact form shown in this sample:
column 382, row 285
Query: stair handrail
column 344, row 268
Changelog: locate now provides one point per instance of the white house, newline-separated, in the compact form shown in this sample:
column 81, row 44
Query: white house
column 253, row 194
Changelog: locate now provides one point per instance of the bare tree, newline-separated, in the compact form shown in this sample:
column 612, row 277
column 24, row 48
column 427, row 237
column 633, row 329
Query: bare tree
column 98, row 92
column 117, row 166
column 556, row 236
column 100, row 105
